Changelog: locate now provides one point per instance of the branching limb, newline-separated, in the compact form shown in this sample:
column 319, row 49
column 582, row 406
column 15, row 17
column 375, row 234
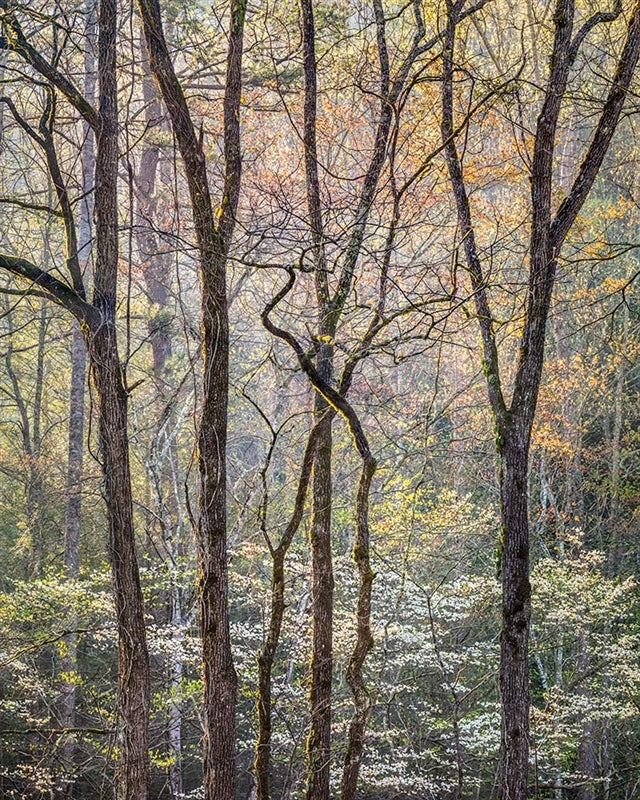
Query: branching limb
column 466, row 226
column 19, row 43
column 58, row 291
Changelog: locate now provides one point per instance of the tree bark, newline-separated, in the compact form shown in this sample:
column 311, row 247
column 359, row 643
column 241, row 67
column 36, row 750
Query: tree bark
column 516, row 615
column 133, row 674
column 322, row 585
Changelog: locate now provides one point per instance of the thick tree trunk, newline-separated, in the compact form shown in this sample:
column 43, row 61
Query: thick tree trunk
column 516, row 615
column 220, row 682
column 133, row 673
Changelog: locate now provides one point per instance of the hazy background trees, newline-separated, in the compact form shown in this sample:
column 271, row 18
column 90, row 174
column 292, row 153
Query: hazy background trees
column 346, row 200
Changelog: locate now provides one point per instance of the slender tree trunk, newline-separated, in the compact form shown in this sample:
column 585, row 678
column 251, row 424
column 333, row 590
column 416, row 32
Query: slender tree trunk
column 617, row 543
column 266, row 658
column 75, row 457
column 35, row 488
column 32, row 492
column 73, row 520
column 364, row 637
column 75, row 454
column 267, row 654
column 322, row 585
column 586, row 759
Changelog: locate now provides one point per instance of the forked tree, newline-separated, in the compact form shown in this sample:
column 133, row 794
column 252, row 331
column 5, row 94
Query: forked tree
column 214, row 228
column 550, row 223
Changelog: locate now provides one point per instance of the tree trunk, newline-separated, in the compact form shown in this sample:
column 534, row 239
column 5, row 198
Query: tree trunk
column 132, row 782
column 267, row 654
column 69, row 660
column 516, row 615
column 319, row 740
column 364, row 637
column 133, row 674
column 514, row 422
column 35, row 495
column 99, row 328
column 214, row 241
column 266, row 658
column 220, row 682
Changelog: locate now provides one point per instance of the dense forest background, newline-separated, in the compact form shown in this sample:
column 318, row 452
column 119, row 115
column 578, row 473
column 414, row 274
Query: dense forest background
column 364, row 534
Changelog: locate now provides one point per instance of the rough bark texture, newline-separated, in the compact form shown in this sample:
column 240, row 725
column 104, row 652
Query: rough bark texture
column 516, row 616
column 322, row 585
column 133, row 673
